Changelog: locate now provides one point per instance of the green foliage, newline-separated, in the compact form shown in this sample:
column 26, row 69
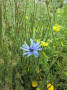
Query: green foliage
column 21, row 20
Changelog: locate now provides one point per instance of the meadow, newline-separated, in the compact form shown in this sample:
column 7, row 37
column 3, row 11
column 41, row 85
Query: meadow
column 33, row 45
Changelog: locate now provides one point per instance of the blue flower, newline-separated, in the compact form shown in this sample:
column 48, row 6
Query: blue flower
column 33, row 48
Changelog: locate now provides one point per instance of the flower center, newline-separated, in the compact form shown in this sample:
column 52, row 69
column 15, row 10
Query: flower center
column 31, row 49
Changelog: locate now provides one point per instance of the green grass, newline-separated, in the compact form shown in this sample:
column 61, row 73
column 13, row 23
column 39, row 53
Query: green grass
column 17, row 71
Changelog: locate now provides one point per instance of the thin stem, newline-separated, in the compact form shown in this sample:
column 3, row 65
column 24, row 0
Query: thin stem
column 0, row 24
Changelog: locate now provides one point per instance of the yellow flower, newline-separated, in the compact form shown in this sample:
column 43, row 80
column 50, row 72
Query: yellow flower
column 27, row 17
column 57, row 27
column 41, row 42
column 34, row 84
column 38, row 88
column 44, row 44
column 50, row 86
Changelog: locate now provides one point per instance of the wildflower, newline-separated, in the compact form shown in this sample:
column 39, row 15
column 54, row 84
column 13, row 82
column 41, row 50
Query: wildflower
column 27, row 17
column 33, row 48
column 44, row 44
column 34, row 84
column 50, row 86
column 38, row 88
column 57, row 27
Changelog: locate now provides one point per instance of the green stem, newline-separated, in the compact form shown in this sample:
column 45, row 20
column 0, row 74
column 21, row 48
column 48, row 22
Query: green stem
column 0, row 25
column 10, row 76
column 49, row 21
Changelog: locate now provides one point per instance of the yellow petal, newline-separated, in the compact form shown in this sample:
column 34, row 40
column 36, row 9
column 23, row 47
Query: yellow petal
column 50, row 86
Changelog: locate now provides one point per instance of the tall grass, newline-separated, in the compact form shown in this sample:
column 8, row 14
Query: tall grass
column 21, row 20
column 0, row 25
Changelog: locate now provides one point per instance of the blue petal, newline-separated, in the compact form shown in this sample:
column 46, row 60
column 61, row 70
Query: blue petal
column 25, row 46
column 37, row 46
column 29, row 54
column 25, row 53
column 22, row 48
column 31, row 40
column 39, row 49
column 35, row 53
column 32, row 49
